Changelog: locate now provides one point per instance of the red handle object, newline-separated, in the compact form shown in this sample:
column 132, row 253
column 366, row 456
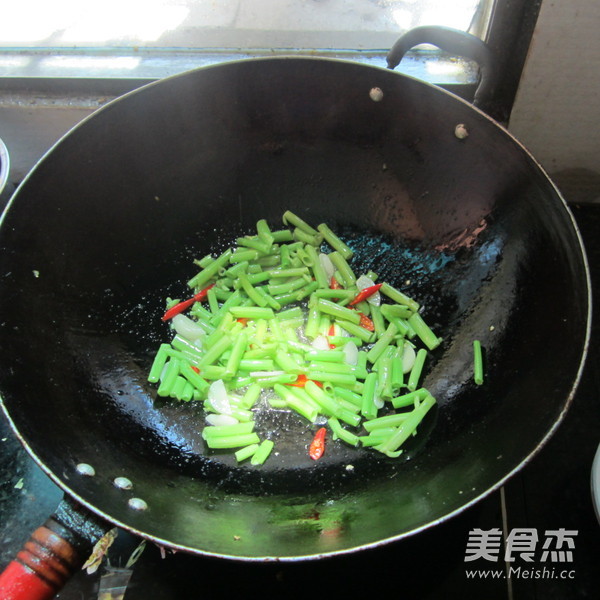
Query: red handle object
column 53, row 553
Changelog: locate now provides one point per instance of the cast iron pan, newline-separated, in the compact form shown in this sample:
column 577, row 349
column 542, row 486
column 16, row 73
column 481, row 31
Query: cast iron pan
column 108, row 223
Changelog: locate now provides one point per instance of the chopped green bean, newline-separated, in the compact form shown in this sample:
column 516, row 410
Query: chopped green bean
column 341, row 433
column 477, row 362
column 415, row 372
column 268, row 380
column 388, row 421
column 348, row 395
column 334, row 241
column 332, row 367
column 339, row 262
column 256, row 364
column 243, row 255
column 400, row 311
column 286, row 362
column 307, row 290
column 251, row 396
column 337, row 311
column 364, row 334
column 211, row 431
column 159, row 362
column 245, row 452
column 170, row 373
column 377, row 436
column 382, row 343
column 232, row 441
column 317, row 267
column 334, row 378
column 204, row 261
column 407, row 427
column 252, row 312
column 177, row 387
column 410, row 398
column 282, row 235
column 397, row 296
column 397, row 375
column 213, row 353
column 233, row 362
column 262, row 452
column 289, row 218
column 202, row 278
column 287, row 287
column 424, row 332
column 368, row 408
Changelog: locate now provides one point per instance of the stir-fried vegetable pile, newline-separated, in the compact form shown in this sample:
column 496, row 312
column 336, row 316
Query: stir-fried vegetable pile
column 282, row 320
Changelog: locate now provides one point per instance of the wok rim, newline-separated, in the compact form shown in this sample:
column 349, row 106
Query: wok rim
column 383, row 541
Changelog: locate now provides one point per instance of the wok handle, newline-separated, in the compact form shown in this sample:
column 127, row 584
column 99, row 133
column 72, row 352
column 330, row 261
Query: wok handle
column 455, row 42
column 54, row 552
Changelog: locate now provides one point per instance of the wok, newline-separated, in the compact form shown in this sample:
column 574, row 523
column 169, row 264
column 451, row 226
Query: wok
column 107, row 224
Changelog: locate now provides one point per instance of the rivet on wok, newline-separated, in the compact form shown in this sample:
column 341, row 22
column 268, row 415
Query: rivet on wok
column 85, row 469
column 137, row 504
column 123, row 483
column 376, row 94
column 461, row 132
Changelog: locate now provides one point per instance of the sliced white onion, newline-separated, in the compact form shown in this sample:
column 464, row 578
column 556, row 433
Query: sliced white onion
column 364, row 282
column 351, row 353
column 320, row 343
column 186, row 328
column 215, row 419
column 408, row 358
column 217, row 396
column 327, row 265
column 378, row 402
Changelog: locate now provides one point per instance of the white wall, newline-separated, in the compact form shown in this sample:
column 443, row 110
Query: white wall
column 557, row 109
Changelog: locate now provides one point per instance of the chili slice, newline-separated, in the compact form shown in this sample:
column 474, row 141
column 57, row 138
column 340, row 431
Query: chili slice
column 185, row 304
column 334, row 284
column 317, row 446
column 365, row 293
column 301, row 381
column 331, row 332
column 366, row 323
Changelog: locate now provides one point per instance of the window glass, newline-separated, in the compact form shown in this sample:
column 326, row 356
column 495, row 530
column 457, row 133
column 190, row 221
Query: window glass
column 122, row 34
column 228, row 23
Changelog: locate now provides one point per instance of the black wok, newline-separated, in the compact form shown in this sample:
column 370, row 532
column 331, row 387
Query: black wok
column 107, row 225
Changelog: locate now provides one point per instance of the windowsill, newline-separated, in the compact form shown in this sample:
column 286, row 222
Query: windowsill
column 151, row 64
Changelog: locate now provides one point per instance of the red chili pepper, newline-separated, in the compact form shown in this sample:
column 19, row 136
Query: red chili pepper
column 366, row 323
column 334, row 284
column 365, row 293
column 195, row 369
column 243, row 321
column 330, row 333
column 301, row 381
column 317, row 446
column 185, row 304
